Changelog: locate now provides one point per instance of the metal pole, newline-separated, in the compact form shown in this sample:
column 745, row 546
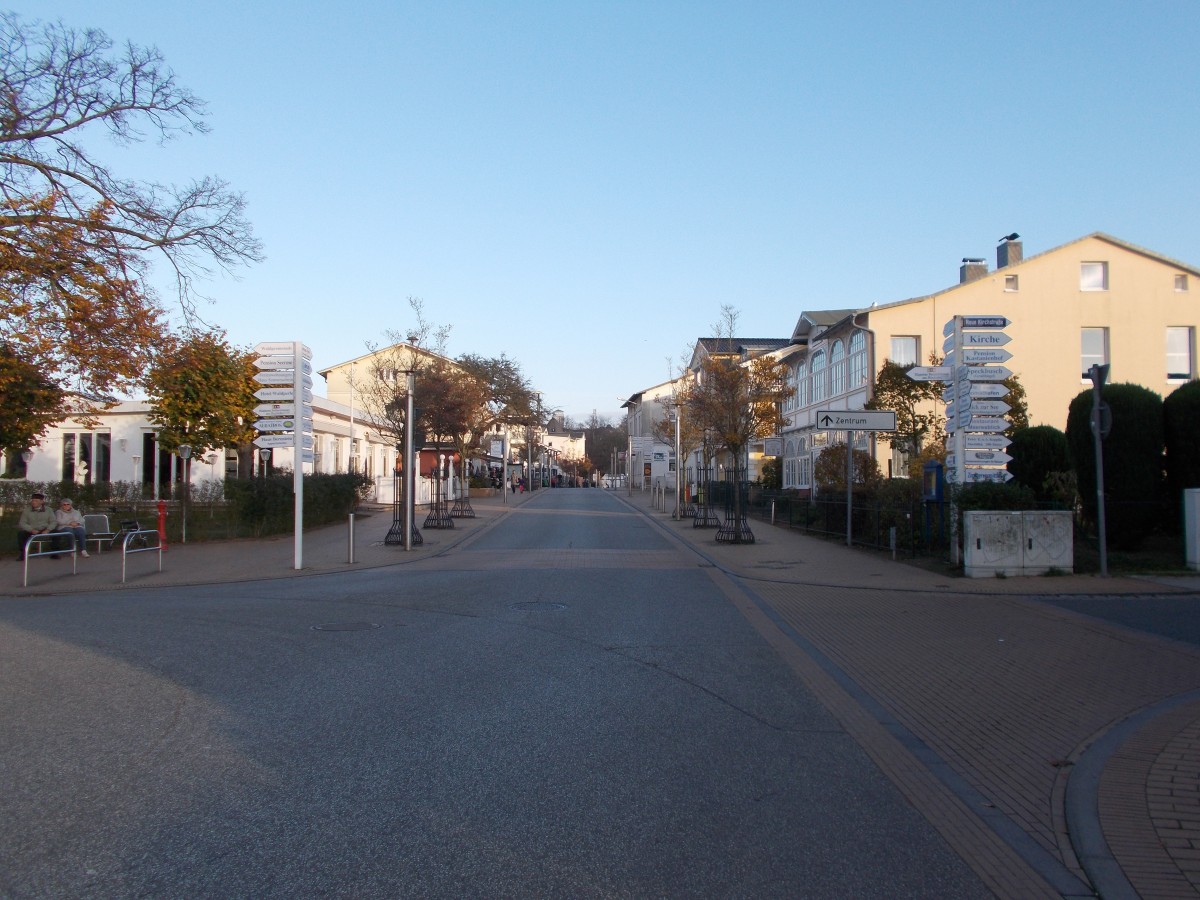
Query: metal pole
column 849, row 488
column 409, row 480
column 298, row 449
column 1098, row 375
column 504, row 468
column 351, row 539
column 678, row 464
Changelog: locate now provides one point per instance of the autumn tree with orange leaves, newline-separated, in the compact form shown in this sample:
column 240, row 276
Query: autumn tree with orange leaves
column 76, row 238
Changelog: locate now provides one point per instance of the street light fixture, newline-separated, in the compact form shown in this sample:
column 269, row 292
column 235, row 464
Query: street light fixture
column 185, row 453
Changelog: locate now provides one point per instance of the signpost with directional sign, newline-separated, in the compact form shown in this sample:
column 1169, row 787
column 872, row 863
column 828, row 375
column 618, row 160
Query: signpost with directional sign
column 852, row 420
column 285, row 368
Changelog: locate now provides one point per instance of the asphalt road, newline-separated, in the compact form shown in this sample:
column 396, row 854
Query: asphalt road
column 567, row 706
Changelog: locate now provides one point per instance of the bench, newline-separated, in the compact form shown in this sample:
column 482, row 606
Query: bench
column 44, row 545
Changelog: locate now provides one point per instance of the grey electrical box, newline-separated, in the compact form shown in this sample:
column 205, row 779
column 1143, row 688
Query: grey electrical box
column 1028, row 542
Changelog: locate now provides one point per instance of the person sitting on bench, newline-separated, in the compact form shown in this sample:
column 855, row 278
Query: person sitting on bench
column 34, row 520
column 69, row 520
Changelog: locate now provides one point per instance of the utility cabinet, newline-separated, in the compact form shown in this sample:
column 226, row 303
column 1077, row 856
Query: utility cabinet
column 1191, row 529
column 1027, row 542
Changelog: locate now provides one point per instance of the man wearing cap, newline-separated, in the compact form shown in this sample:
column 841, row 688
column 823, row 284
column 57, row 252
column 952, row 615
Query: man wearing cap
column 67, row 519
column 34, row 520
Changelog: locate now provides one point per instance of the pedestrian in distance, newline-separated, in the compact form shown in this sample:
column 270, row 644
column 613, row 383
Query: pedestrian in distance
column 36, row 519
column 69, row 521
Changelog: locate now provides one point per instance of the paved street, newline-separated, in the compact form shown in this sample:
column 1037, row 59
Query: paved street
column 574, row 695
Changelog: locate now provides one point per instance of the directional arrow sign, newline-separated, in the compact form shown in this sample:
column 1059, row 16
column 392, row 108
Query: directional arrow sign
column 977, row 339
column 275, row 409
column 986, row 355
column 275, row 425
column 984, row 373
column 978, row 391
column 989, row 407
column 976, row 475
column 282, row 393
column 281, row 348
column 976, row 322
column 857, row 420
column 930, row 373
column 275, row 440
column 270, row 377
column 987, row 441
column 986, row 423
column 986, row 457
column 282, row 363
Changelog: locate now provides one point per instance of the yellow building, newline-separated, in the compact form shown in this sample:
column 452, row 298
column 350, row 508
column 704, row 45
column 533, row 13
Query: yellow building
column 1095, row 300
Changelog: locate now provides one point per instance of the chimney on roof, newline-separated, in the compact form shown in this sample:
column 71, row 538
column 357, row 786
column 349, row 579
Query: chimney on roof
column 1009, row 252
column 972, row 269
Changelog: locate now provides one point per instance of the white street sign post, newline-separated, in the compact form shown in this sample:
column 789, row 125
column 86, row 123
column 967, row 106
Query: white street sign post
column 851, row 421
column 285, row 368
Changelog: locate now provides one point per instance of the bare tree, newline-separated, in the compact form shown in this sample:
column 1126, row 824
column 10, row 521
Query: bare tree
column 58, row 87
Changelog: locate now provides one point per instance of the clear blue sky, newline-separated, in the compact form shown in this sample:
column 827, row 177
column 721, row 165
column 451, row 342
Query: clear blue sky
column 583, row 185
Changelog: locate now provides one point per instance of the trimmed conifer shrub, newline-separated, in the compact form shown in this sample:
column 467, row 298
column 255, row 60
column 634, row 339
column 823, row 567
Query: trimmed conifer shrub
column 1133, row 461
column 1036, row 453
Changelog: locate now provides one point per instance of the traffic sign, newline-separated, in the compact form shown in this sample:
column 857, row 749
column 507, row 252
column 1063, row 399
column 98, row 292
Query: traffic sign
column 989, row 407
column 288, row 377
column 976, row 322
column 998, row 476
column 986, row 355
column 308, row 456
column 987, row 423
column 270, row 377
column 281, row 348
column 974, row 457
column 979, row 390
column 281, row 393
column 977, row 339
column 930, row 373
column 275, row 409
column 984, row 373
column 275, row 440
column 275, row 425
column 857, row 420
column 282, row 363
column 987, row 441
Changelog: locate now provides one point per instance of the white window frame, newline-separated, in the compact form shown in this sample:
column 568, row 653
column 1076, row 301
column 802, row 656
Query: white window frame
column 916, row 349
column 1093, row 276
column 1088, row 359
column 858, row 359
column 1012, row 283
column 1181, row 283
column 837, row 369
column 1180, row 358
column 817, row 369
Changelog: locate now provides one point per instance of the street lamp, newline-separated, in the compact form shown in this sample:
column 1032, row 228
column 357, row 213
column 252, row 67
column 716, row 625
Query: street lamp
column 185, row 453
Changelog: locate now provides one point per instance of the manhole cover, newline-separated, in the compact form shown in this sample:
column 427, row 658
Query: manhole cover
column 538, row 604
column 346, row 626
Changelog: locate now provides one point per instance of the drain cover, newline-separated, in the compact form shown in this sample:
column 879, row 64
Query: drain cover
column 346, row 626
column 538, row 604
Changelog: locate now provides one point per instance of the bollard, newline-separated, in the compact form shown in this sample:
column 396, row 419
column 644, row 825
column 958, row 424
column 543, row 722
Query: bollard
column 892, row 540
column 772, row 512
column 162, row 523
column 351, row 560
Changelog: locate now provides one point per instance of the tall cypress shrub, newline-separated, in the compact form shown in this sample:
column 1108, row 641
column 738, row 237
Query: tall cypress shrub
column 1133, row 461
column 1181, row 433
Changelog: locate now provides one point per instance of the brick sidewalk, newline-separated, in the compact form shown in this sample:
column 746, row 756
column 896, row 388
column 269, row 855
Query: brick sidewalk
column 978, row 701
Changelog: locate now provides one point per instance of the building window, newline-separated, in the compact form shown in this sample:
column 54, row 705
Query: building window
column 1093, row 276
column 858, row 359
column 1181, row 283
column 802, row 385
column 837, row 369
column 817, row 367
column 1011, row 283
column 1179, row 354
column 905, row 350
column 86, row 456
column 1093, row 349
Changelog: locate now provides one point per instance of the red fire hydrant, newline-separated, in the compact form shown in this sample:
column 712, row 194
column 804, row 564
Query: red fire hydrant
column 162, row 523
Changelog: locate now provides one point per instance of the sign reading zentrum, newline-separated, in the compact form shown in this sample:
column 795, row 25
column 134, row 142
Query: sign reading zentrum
column 857, row 420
